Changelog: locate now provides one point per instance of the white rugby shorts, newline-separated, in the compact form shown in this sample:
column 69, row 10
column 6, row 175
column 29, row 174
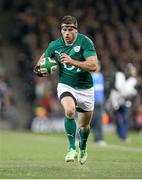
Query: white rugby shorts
column 84, row 97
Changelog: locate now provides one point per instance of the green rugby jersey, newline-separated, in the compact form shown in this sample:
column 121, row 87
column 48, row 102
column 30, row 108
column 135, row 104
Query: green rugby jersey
column 82, row 48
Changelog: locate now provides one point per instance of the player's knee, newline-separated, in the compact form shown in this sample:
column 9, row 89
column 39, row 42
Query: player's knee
column 70, row 113
column 84, row 127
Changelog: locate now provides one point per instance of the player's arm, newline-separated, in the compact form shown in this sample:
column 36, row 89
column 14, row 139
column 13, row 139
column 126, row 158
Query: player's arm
column 40, row 59
column 47, row 53
column 37, row 69
column 91, row 63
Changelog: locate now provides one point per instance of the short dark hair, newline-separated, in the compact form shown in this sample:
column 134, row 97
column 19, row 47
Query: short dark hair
column 69, row 20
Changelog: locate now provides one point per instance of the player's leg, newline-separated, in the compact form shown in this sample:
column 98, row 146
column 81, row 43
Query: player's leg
column 68, row 104
column 84, row 119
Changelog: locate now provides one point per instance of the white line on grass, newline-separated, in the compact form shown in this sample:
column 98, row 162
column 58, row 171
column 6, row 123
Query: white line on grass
column 123, row 148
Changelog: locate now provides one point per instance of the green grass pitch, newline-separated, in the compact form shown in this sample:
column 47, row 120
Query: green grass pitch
column 41, row 156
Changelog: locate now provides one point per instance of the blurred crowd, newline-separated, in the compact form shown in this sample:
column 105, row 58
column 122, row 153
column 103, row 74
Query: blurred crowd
column 114, row 26
column 8, row 109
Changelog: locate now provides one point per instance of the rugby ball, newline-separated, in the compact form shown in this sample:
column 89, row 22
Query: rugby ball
column 47, row 66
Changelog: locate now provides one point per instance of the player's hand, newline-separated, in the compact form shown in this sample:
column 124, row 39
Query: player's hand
column 37, row 71
column 65, row 58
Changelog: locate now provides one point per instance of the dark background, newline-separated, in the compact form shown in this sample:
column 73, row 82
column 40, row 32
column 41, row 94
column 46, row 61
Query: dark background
column 26, row 28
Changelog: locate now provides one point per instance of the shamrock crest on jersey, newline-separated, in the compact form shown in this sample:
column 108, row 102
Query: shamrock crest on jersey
column 77, row 48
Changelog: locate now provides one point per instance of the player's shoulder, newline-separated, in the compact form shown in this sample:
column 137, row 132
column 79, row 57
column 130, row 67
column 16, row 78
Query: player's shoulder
column 85, row 39
column 56, row 43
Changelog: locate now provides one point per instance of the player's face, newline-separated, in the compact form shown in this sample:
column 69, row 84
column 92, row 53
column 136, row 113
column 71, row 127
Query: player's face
column 69, row 33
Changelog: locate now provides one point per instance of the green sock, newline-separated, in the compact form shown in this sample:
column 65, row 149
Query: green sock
column 70, row 127
column 83, row 138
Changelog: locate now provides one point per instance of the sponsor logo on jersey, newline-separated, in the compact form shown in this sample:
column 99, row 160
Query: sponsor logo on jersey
column 77, row 48
column 57, row 52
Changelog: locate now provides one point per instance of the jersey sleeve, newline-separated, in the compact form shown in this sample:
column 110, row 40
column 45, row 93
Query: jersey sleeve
column 88, row 48
column 49, row 52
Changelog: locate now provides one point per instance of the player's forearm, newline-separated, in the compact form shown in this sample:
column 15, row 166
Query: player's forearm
column 89, row 65
column 40, row 59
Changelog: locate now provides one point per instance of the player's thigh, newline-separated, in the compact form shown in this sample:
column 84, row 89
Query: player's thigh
column 68, row 105
column 84, row 119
